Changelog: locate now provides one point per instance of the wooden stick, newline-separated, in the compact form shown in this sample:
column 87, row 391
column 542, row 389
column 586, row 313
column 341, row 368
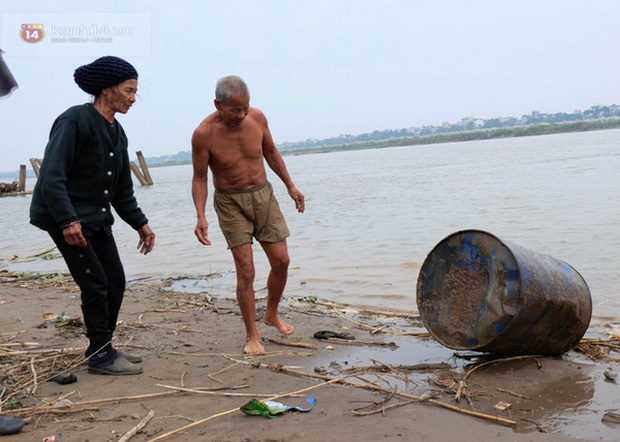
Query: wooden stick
column 119, row 399
column 131, row 433
column 494, row 361
column 22, row 178
column 144, row 167
column 462, row 382
column 361, row 324
column 359, row 342
column 138, row 174
column 36, row 165
column 211, row 376
column 224, row 413
column 522, row 396
column 215, row 393
column 374, row 330
column 383, row 409
column 381, row 367
column 34, row 375
column 413, row 315
column 267, row 353
column 292, row 344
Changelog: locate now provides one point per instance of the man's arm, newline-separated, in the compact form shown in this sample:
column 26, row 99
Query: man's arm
column 200, row 162
column 276, row 163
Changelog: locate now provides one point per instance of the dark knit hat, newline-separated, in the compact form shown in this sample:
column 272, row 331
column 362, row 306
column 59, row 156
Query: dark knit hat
column 103, row 73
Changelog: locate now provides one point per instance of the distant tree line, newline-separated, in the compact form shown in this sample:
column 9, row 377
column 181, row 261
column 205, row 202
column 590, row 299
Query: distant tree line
column 465, row 125
column 478, row 134
column 470, row 128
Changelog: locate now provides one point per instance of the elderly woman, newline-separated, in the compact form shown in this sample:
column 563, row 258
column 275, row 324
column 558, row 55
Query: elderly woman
column 85, row 170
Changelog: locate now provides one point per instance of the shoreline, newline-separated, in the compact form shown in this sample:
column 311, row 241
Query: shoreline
column 194, row 341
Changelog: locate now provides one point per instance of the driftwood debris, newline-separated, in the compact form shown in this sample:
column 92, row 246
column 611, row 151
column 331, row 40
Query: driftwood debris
column 368, row 386
column 16, row 187
column 9, row 187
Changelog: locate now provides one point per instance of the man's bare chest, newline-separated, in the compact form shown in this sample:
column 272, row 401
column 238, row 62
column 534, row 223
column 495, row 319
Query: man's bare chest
column 237, row 147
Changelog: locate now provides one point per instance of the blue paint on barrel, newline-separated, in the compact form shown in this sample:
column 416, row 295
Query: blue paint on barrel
column 478, row 292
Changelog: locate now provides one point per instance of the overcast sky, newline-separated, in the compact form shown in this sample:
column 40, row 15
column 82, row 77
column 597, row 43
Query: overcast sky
column 323, row 68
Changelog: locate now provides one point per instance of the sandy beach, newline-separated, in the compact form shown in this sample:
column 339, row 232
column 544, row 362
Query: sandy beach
column 194, row 342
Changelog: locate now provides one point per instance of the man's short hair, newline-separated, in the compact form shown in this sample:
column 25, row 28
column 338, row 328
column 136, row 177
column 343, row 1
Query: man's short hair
column 228, row 86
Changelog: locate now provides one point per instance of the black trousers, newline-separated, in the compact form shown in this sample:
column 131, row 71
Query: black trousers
column 98, row 271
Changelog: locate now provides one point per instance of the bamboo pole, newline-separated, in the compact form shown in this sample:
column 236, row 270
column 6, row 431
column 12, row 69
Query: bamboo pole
column 145, row 168
column 137, row 173
column 36, row 165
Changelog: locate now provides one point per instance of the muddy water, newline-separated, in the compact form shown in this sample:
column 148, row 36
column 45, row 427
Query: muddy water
column 373, row 216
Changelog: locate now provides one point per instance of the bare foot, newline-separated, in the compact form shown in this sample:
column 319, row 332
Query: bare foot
column 278, row 323
column 253, row 347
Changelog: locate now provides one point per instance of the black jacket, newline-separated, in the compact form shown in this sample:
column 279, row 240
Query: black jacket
column 85, row 169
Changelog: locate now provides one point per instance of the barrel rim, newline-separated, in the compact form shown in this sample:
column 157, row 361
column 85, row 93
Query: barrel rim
column 418, row 285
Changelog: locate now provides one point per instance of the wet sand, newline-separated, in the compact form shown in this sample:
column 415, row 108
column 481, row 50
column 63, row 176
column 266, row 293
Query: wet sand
column 192, row 342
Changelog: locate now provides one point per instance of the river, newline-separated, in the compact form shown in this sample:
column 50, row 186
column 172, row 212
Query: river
column 372, row 216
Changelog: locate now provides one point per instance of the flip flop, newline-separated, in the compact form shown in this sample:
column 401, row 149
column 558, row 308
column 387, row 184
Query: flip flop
column 326, row 334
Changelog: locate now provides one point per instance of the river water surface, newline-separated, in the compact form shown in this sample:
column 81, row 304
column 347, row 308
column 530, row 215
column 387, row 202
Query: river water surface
column 372, row 216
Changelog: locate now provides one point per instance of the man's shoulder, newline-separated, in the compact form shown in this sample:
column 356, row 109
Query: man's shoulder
column 206, row 126
column 203, row 132
column 256, row 114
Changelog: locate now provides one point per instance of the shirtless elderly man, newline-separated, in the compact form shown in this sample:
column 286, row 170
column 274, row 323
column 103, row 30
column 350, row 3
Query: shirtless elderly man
column 232, row 142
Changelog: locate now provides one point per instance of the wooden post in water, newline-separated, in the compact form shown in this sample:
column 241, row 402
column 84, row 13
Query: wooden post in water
column 144, row 167
column 36, row 165
column 137, row 173
column 22, row 178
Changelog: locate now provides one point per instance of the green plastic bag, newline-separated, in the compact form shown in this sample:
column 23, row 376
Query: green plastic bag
column 258, row 408
column 270, row 409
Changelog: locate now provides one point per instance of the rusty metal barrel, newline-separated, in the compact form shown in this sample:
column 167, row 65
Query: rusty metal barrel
column 478, row 292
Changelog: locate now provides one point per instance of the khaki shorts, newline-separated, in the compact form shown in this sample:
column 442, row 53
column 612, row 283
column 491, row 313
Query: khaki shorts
column 244, row 214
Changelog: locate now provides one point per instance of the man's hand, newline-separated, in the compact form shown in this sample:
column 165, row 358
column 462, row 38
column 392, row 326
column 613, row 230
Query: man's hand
column 147, row 239
column 201, row 232
column 298, row 197
column 73, row 234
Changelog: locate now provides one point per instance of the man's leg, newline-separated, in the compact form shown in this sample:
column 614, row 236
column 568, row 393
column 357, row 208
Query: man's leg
column 244, row 263
column 277, row 253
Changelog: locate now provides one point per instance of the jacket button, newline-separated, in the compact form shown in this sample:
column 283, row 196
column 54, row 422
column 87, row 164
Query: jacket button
column 111, row 154
column 103, row 209
column 109, row 173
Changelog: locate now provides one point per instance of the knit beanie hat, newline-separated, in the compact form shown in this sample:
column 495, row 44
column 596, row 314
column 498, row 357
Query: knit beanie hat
column 103, row 73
